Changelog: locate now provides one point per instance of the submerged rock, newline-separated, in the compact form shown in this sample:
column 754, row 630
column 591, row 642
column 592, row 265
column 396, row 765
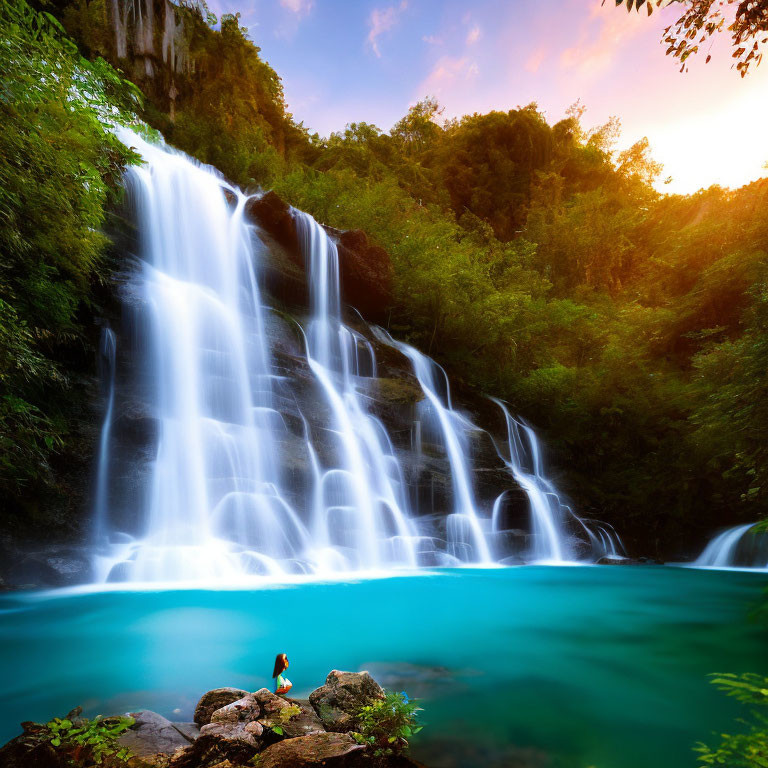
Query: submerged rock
column 213, row 700
column 620, row 560
column 344, row 693
column 318, row 749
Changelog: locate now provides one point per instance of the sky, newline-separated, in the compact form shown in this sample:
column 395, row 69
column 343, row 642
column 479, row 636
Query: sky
column 345, row 61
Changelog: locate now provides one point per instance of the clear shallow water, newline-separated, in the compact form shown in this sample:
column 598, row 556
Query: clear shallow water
column 602, row 667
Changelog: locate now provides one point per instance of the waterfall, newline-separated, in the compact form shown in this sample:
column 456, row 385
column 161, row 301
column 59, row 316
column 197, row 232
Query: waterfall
column 107, row 354
column 549, row 515
column 262, row 449
column 214, row 506
column 366, row 496
column 735, row 548
column 465, row 537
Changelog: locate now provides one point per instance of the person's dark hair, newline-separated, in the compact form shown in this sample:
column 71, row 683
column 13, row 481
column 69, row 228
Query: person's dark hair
column 281, row 662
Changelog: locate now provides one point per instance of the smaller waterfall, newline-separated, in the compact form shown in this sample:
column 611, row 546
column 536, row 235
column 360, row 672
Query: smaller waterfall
column 360, row 507
column 465, row 536
column 107, row 354
column 736, row 548
column 549, row 515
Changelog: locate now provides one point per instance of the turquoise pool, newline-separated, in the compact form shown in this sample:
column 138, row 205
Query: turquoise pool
column 534, row 666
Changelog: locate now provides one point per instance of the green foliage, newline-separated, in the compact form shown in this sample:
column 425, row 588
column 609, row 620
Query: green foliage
column 748, row 749
column 386, row 724
column 82, row 741
column 216, row 98
column 614, row 317
column 734, row 414
column 59, row 169
column 532, row 260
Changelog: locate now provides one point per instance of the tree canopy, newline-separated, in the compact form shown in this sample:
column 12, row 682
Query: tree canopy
column 700, row 20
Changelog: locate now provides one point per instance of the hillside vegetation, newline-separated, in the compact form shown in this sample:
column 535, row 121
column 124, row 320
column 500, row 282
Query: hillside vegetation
column 530, row 258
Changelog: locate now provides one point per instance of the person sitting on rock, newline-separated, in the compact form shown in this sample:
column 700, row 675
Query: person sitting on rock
column 282, row 683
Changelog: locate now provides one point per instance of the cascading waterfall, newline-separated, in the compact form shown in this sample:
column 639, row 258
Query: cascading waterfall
column 214, row 505
column 738, row 547
column 365, row 498
column 549, row 515
column 266, row 458
column 546, row 513
column 464, row 534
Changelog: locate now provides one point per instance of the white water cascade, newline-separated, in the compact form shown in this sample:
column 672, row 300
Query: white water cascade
column 737, row 547
column 213, row 507
column 246, row 442
column 362, row 504
column 549, row 515
column 108, row 354
column 464, row 533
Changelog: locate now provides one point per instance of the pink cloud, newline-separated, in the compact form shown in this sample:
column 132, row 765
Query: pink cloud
column 473, row 35
column 449, row 73
column 382, row 20
column 535, row 60
column 299, row 7
column 601, row 38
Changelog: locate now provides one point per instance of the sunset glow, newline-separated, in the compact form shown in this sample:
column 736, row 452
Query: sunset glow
column 704, row 125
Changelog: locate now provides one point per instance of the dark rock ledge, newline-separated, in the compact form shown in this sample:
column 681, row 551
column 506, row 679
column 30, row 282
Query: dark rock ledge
column 365, row 270
column 236, row 729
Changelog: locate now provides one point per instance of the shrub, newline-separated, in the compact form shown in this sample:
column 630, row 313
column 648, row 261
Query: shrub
column 84, row 742
column 386, row 724
column 747, row 749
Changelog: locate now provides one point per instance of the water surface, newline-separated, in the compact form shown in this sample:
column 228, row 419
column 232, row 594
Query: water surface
column 532, row 666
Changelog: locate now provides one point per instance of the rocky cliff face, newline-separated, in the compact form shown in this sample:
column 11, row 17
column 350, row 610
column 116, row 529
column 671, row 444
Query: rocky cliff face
column 150, row 40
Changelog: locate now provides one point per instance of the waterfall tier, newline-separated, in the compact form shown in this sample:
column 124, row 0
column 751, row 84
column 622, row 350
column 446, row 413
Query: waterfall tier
column 738, row 547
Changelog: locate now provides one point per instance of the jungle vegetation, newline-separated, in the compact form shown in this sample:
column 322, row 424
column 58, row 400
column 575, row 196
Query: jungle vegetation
column 531, row 259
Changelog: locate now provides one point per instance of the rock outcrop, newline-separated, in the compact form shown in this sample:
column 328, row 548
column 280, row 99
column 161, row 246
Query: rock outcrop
column 152, row 735
column 366, row 273
column 343, row 694
column 258, row 728
column 274, row 215
column 313, row 751
column 213, row 700
column 365, row 270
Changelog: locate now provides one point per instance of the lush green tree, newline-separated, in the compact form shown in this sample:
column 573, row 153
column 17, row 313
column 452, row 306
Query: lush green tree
column 59, row 168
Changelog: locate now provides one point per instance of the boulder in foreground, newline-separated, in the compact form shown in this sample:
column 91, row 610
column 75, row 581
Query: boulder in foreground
column 342, row 696
column 216, row 699
column 317, row 749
